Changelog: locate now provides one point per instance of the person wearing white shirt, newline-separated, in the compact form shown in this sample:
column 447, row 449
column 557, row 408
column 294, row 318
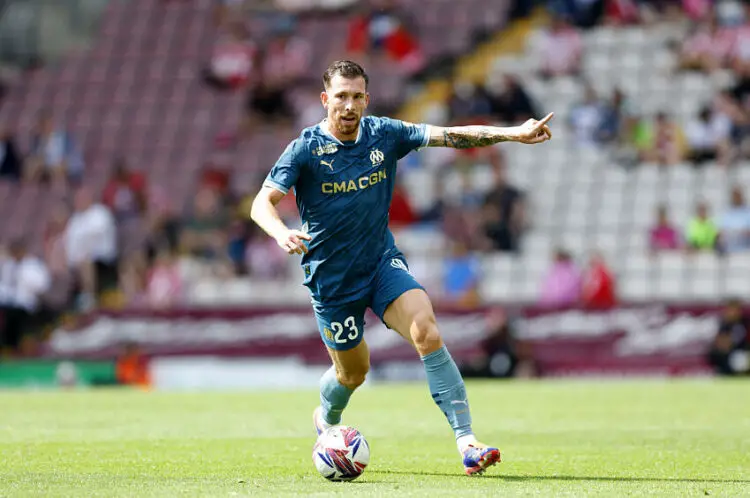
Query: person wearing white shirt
column 23, row 281
column 55, row 156
column 708, row 137
column 734, row 224
column 91, row 245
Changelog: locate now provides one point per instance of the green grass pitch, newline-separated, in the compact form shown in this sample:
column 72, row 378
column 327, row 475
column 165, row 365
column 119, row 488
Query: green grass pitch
column 559, row 438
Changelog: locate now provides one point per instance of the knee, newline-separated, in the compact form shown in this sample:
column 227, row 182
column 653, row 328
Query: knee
column 353, row 378
column 425, row 334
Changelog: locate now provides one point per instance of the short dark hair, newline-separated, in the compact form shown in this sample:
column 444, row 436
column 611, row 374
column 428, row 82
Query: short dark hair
column 345, row 69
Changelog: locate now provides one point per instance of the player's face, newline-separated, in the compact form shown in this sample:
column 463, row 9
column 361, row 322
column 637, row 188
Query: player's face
column 345, row 100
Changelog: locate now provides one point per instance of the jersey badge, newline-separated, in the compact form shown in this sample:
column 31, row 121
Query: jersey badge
column 376, row 157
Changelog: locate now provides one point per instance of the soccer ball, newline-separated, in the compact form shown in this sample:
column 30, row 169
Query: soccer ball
column 341, row 453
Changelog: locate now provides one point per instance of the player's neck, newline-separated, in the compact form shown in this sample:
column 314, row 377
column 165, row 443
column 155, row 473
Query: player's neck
column 337, row 135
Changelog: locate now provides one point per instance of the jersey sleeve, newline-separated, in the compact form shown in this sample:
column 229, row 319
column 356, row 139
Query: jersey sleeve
column 285, row 172
column 409, row 136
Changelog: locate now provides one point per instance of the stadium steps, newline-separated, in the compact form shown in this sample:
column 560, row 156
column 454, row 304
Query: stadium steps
column 474, row 67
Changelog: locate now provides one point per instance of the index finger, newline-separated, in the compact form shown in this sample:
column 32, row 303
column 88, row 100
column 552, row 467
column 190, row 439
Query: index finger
column 303, row 235
column 545, row 120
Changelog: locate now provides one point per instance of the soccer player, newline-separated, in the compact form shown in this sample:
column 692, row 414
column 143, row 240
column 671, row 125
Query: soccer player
column 343, row 171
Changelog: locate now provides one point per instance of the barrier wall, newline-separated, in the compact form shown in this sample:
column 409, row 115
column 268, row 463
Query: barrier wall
column 652, row 340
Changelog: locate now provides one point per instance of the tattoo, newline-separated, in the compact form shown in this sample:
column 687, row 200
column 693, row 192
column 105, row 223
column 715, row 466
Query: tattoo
column 467, row 137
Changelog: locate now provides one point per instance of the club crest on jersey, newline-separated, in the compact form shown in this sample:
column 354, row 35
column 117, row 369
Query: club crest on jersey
column 329, row 148
column 376, row 157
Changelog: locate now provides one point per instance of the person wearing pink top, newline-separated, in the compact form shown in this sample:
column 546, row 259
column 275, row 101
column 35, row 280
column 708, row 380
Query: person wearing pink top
column 663, row 236
column 560, row 48
column 164, row 284
column 562, row 285
column 709, row 47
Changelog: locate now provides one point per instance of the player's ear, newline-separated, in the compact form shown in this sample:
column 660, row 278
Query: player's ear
column 324, row 99
column 367, row 100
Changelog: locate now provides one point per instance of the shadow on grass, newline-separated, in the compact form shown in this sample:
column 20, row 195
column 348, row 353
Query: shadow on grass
column 513, row 478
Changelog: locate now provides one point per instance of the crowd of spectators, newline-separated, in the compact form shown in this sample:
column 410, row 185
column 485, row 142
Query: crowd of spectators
column 728, row 232
column 129, row 240
column 53, row 157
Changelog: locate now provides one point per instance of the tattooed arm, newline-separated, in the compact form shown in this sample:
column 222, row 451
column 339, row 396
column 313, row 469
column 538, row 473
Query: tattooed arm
column 467, row 137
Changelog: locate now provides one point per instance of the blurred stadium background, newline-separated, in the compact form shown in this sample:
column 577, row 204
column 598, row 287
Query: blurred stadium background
column 134, row 133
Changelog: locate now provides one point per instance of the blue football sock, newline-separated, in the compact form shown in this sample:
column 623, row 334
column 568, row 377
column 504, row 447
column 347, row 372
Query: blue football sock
column 448, row 391
column 333, row 397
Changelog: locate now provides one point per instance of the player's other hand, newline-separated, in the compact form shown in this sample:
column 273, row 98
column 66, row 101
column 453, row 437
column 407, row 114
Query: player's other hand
column 533, row 131
column 292, row 241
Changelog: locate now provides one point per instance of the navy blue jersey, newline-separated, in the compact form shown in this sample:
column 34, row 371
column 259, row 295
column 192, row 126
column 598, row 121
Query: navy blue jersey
column 343, row 193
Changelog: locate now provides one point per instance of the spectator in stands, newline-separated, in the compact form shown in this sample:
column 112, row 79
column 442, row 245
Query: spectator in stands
column 708, row 48
column 461, row 216
column 91, row 248
column 734, row 224
column 694, row 9
column 384, row 29
column 461, row 277
column 233, row 61
column 468, row 103
column 702, row 233
column 598, row 285
column 616, row 119
column 730, row 350
column 125, row 192
column 586, row 118
column 582, row 13
column 663, row 236
column 501, row 355
column 10, row 159
column 504, row 208
column 561, row 286
column 561, row 49
column 622, row 12
column 740, row 57
column 708, row 137
column 204, row 232
column 282, row 64
column 55, row 155
column 164, row 286
column 401, row 213
column 735, row 105
column 663, row 142
column 162, row 223
column 23, row 281
column 509, row 102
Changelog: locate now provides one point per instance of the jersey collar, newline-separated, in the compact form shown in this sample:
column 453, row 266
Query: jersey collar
column 324, row 128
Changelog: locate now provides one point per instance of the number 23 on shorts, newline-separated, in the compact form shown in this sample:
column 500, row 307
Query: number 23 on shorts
column 341, row 335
